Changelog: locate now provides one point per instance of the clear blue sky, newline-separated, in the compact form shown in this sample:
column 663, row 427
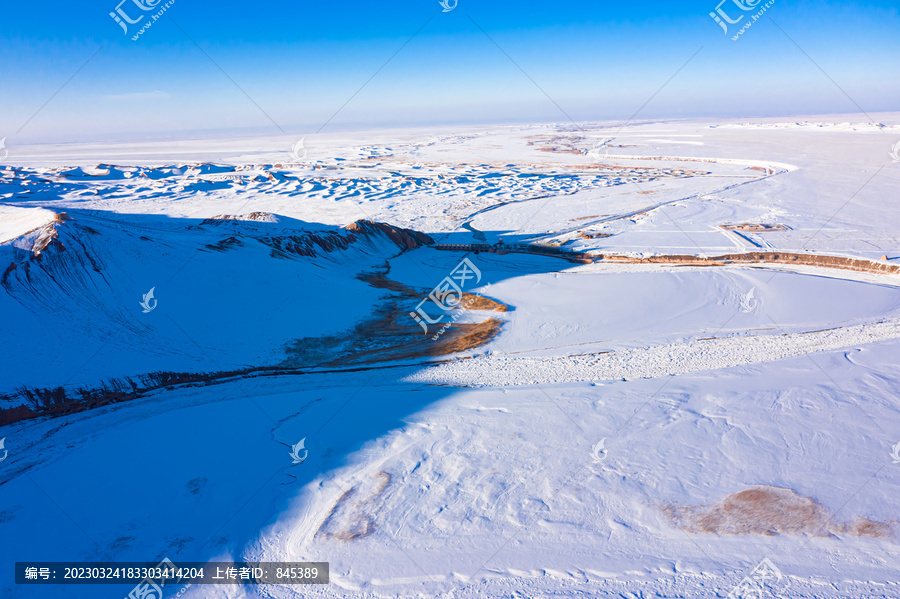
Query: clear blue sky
column 301, row 61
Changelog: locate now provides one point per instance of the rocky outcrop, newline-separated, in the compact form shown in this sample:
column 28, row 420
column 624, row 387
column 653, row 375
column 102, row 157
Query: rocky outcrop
column 405, row 238
column 307, row 244
column 260, row 217
column 312, row 243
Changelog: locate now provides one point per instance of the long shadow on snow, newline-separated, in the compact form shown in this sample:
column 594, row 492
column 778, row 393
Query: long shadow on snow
column 191, row 472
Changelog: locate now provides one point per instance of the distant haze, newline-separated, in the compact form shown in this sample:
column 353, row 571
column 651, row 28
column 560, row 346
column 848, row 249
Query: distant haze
column 293, row 67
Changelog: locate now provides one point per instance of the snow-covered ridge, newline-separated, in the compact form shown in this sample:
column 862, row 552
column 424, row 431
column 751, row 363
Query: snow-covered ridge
column 202, row 273
column 18, row 222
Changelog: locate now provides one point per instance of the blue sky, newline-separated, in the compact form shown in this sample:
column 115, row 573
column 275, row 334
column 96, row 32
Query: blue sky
column 300, row 62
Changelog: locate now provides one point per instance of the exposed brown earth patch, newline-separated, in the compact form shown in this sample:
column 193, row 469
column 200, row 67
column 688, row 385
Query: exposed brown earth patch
column 764, row 169
column 855, row 264
column 559, row 150
column 771, row 511
column 754, row 227
column 48, row 236
column 557, row 144
column 405, row 238
column 392, row 334
column 479, row 302
column 465, row 336
column 260, row 217
column 553, row 249
column 353, row 515
column 647, row 170
column 380, row 281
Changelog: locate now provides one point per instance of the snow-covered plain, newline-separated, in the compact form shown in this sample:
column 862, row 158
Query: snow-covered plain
column 476, row 474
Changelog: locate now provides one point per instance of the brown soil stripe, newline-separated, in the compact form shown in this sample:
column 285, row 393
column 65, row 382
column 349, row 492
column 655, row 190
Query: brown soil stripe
column 841, row 262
